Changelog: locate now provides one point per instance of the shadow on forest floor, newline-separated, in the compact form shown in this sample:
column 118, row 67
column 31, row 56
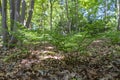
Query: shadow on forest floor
column 45, row 62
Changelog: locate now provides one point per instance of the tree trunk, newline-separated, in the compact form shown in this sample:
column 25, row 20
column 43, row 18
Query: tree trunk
column 30, row 13
column 4, row 24
column 118, row 27
column 23, row 12
column 18, row 9
column 0, row 7
column 76, row 8
column 106, row 4
column 68, row 19
column 13, row 40
column 51, row 12
column 67, row 14
column 12, row 10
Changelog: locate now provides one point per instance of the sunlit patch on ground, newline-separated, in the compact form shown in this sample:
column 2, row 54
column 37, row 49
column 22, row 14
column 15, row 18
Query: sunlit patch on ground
column 45, row 63
column 53, row 57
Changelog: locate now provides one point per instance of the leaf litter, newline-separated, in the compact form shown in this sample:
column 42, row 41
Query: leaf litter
column 47, row 63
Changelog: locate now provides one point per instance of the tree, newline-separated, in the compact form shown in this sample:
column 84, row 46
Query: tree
column 30, row 13
column 51, row 13
column 17, row 16
column 118, row 2
column 106, row 5
column 23, row 12
column 12, row 9
column 0, row 7
column 4, row 24
column 76, row 15
column 67, row 16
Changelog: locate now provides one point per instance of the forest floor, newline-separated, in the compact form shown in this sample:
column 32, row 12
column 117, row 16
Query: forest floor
column 45, row 62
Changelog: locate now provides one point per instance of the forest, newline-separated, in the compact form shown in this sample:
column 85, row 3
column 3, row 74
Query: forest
column 60, row 40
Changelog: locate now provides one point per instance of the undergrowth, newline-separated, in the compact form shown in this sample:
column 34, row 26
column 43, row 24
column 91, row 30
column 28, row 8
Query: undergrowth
column 74, row 42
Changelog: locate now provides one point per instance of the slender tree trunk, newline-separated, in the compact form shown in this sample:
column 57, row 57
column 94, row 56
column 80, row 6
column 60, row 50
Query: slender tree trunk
column 117, row 9
column 67, row 14
column 14, row 4
column 13, row 40
column 18, row 9
column 30, row 13
column 4, row 23
column 68, row 19
column 23, row 12
column 118, row 27
column 12, row 10
column 76, row 3
column 106, row 4
column 51, row 12
column 0, row 7
column 18, row 4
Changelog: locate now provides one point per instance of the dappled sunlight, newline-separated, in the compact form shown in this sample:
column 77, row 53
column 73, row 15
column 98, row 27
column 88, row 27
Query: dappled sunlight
column 45, row 61
column 49, row 48
column 52, row 57
column 40, row 54
column 60, row 40
column 28, row 62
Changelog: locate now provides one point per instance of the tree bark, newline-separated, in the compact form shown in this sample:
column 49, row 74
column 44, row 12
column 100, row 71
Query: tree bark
column 18, row 9
column 0, row 7
column 4, row 24
column 13, row 40
column 51, row 12
column 23, row 12
column 68, row 19
column 106, row 5
column 76, row 3
column 30, row 13
column 12, row 10
column 67, row 14
column 118, row 27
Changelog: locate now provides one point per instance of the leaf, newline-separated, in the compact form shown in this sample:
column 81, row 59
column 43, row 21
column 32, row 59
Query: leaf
column 2, row 74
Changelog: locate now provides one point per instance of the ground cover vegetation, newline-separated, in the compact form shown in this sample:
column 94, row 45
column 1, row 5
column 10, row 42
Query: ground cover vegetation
column 60, row 40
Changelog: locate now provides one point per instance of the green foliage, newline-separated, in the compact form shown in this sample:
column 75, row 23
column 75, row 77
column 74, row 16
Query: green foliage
column 95, row 27
column 57, row 39
column 81, row 18
column 25, row 35
column 69, row 43
column 114, row 36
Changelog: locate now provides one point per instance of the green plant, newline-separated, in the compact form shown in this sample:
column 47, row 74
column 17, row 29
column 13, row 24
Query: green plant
column 113, row 36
